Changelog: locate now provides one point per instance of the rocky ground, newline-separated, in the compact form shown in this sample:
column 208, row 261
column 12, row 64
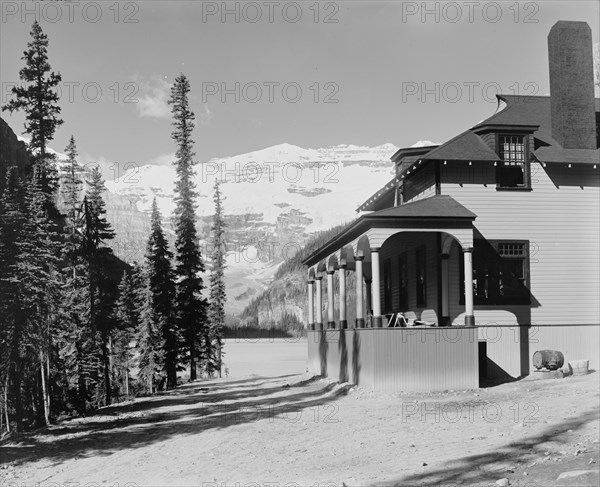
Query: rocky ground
column 298, row 430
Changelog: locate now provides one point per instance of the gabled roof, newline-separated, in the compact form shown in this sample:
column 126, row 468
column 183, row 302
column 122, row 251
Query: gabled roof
column 438, row 206
column 464, row 147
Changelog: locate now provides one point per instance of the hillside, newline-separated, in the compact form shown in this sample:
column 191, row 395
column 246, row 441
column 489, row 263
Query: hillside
column 284, row 303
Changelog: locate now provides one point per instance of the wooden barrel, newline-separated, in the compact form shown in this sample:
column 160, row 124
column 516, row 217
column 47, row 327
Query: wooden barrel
column 550, row 359
column 579, row 367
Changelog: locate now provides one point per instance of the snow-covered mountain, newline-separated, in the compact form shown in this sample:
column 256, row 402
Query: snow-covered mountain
column 274, row 199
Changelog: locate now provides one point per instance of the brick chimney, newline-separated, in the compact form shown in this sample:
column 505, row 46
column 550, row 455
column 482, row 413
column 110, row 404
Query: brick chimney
column 572, row 85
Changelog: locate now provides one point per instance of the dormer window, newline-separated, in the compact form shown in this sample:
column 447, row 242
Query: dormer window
column 512, row 171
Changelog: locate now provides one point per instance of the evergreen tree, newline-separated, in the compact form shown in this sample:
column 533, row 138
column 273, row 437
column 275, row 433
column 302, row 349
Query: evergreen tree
column 191, row 306
column 39, row 282
column 162, row 291
column 149, row 342
column 12, row 318
column 216, row 310
column 75, row 340
column 97, row 230
column 129, row 319
column 35, row 275
column 38, row 98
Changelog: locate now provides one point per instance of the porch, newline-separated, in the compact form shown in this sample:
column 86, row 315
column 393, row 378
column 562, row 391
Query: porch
column 404, row 259
column 414, row 259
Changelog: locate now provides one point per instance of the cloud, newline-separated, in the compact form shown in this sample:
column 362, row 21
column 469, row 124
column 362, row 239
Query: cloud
column 153, row 97
column 205, row 115
column 162, row 160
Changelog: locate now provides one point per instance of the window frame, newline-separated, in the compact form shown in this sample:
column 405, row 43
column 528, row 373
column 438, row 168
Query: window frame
column 526, row 186
column 500, row 300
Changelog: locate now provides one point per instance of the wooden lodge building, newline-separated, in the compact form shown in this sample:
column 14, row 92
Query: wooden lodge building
column 492, row 235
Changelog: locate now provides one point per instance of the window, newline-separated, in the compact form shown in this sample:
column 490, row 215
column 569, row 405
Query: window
column 421, row 280
column 513, row 169
column 403, row 281
column 500, row 272
column 387, row 286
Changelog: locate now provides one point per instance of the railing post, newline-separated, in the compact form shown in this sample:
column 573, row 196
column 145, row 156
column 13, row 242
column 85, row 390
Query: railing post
column 360, row 316
column 343, row 322
column 376, row 288
column 311, row 305
column 468, row 258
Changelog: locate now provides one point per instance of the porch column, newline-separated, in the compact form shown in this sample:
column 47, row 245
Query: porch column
column 360, row 316
column 343, row 322
column 311, row 305
column 369, row 301
column 445, row 313
column 319, row 310
column 376, row 288
column 330, row 318
column 468, row 258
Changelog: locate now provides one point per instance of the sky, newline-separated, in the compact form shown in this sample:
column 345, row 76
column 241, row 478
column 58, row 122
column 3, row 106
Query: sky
column 308, row 73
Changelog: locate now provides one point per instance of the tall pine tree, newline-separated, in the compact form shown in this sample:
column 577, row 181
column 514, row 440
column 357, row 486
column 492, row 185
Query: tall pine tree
column 149, row 342
column 38, row 98
column 97, row 231
column 191, row 306
column 75, row 340
column 162, row 291
column 36, row 269
column 216, row 310
column 12, row 316
column 128, row 316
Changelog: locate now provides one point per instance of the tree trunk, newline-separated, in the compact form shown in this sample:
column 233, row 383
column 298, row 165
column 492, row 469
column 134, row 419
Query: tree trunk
column 105, row 357
column 127, row 380
column 81, row 383
column 45, row 398
column 219, row 358
column 192, row 345
column 6, row 403
column 16, row 382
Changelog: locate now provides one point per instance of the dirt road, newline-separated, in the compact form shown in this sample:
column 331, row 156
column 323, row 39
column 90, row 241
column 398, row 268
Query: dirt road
column 298, row 430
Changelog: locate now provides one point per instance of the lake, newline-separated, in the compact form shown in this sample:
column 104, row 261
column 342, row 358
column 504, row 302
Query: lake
column 265, row 356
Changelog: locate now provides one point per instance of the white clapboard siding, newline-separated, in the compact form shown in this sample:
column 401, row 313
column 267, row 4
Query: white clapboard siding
column 562, row 225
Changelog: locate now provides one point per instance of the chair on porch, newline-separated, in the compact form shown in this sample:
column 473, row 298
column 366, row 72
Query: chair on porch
column 398, row 320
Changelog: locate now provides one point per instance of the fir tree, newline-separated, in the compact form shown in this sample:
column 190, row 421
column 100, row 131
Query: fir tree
column 12, row 318
column 39, row 281
column 129, row 319
column 162, row 290
column 36, row 268
column 75, row 340
column 97, row 230
column 216, row 310
column 149, row 341
column 191, row 306
column 38, row 98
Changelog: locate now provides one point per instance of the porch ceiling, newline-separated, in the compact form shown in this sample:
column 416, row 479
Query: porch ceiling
column 436, row 213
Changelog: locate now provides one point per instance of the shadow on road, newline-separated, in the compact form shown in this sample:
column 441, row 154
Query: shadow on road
column 186, row 410
column 477, row 469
